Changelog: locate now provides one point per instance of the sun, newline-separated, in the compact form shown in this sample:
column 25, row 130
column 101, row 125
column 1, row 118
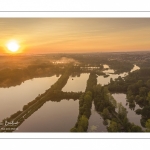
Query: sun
column 13, row 46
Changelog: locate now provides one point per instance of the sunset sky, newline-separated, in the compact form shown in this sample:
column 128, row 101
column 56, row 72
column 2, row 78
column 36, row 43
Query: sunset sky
column 46, row 35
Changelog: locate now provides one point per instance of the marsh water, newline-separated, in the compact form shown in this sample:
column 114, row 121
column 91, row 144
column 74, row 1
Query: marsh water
column 96, row 121
column 131, row 115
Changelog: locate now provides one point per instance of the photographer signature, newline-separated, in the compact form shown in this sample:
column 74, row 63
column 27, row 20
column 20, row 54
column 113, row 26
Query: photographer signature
column 6, row 123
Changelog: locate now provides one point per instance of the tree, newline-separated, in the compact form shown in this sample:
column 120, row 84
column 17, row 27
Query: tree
column 148, row 83
column 139, row 83
column 146, row 112
column 147, row 125
column 148, row 97
column 87, row 99
column 113, row 127
column 122, row 112
column 112, row 100
column 106, row 113
column 143, row 91
column 25, row 107
column 135, row 128
column 82, row 124
column 73, row 130
column 138, row 111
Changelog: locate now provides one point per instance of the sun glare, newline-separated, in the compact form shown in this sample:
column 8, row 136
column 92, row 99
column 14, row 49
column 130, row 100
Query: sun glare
column 13, row 46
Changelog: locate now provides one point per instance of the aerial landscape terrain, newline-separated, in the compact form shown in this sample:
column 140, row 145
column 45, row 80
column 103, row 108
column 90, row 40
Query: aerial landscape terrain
column 75, row 75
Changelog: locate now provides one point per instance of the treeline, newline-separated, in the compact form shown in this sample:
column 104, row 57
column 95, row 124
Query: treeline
column 83, row 68
column 106, row 106
column 85, row 104
column 103, row 100
column 120, row 66
column 120, row 123
column 122, row 84
column 59, row 95
column 137, row 87
column 139, row 92
column 52, row 91
column 12, row 77
column 118, row 85
column 91, row 82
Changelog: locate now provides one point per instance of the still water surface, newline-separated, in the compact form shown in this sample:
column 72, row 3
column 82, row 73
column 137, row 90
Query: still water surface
column 131, row 115
column 96, row 122
column 14, row 98
column 104, row 81
column 52, row 117
column 76, row 84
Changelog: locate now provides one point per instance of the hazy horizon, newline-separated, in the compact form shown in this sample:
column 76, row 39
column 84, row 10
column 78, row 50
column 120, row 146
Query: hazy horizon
column 75, row 35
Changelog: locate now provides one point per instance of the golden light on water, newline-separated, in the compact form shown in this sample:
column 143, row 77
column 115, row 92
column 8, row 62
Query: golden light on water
column 13, row 46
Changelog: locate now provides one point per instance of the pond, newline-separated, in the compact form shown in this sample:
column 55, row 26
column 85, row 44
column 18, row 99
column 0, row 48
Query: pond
column 135, row 68
column 52, row 117
column 14, row 98
column 76, row 84
column 108, row 70
column 105, row 80
column 96, row 122
column 131, row 115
